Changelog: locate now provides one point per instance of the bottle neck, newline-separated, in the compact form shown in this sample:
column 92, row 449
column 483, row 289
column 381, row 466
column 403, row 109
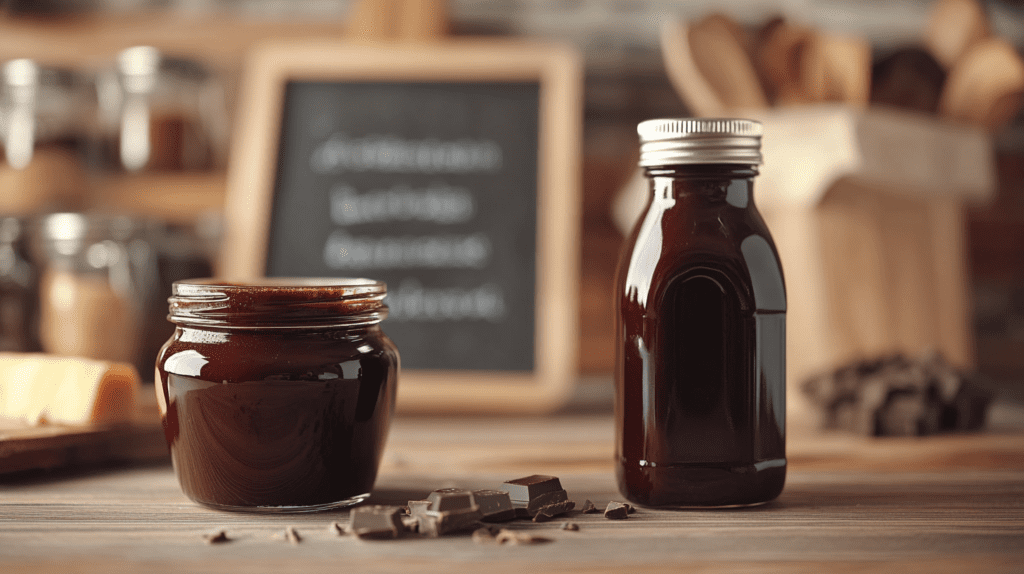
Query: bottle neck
column 704, row 183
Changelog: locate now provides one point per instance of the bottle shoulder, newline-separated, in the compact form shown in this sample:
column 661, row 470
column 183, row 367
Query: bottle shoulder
column 732, row 245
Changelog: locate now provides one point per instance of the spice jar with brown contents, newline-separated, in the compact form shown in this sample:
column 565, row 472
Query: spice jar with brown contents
column 701, row 326
column 97, row 272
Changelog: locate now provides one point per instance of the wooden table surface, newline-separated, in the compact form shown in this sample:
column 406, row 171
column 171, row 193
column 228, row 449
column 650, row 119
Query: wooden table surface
column 939, row 504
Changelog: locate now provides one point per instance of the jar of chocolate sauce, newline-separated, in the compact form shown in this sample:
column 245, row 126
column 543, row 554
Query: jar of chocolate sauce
column 701, row 326
column 276, row 395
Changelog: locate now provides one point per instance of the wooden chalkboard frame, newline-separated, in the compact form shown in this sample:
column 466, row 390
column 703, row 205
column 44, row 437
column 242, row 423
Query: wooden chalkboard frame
column 558, row 72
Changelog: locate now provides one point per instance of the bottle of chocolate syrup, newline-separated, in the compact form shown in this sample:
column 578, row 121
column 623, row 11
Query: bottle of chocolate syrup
column 701, row 326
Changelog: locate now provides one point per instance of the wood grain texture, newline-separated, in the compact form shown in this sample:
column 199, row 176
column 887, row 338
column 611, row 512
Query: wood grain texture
column 25, row 447
column 850, row 505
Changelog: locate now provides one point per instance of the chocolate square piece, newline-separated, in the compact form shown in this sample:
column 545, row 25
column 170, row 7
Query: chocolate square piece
column 495, row 505
column 418, row 507
column 376, row 522
column 527, row 488
column 531, row 493
column 448, row 499
column 450, row 510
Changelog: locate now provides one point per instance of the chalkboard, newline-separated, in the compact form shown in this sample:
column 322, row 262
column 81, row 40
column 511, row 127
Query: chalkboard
column 429, row 187
column 449, row 171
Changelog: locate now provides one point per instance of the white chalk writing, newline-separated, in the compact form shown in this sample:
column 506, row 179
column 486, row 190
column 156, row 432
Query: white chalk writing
column 390, row 154
column 413, row 302
column 344, row 251
column 437, row 203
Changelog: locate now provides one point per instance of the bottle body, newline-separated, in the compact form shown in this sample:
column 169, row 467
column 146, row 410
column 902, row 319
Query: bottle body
column 700, row 366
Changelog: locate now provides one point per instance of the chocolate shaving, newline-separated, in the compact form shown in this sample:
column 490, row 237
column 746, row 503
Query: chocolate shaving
column 216, row 537
column 292, row 535
column 552, row 510
column 589, row 508
column 337, row 529
column 570, row 526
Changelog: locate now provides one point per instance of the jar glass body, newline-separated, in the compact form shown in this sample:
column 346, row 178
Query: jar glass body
column 700, row 365
column 276, row 418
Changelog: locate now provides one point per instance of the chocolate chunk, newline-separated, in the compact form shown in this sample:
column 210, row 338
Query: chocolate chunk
column 546, row 499
column 522, row 512
column 292, row 535
column 550, row 511
column 376, row 522
column 411, row 523
column 495, row 505
column 525, row 489
column 216, row 537
column 513, row 538
column 337, row 529
column 630, row 508
column 616, row 511
column 571, row 526
column 532, row 493
column 589, row 508
column 894, row 395
column 436, row 524
column 450, row 499
column 417, row 507
column 450, row 510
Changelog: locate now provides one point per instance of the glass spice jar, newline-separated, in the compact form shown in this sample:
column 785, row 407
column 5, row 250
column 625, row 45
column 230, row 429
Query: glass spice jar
column 97, row 274
column 277, row 395
column 701, row 326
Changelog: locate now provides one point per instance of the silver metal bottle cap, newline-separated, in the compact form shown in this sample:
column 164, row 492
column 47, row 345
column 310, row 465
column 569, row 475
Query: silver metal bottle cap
column 699, row 140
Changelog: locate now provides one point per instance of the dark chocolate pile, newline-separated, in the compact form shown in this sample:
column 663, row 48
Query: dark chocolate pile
column 899, row 396
column 446, row 511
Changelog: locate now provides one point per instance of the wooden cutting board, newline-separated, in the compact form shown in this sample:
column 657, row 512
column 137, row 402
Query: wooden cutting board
column 24, row 447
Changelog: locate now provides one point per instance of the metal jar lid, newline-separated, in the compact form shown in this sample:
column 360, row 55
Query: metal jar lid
column 699, row 141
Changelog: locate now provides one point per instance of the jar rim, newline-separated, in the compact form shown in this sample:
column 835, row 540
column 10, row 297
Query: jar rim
column 278, row 302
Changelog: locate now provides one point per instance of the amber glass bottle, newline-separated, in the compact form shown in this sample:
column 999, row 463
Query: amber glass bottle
column 701, row 326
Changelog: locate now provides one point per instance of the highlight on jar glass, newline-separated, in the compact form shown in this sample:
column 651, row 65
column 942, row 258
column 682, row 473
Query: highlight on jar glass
column 276, row 395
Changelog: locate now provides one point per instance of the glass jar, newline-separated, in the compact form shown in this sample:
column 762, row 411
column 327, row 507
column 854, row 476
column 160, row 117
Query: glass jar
column 98, row 275
column 45, row 123
column 701, row 326
column 161, row 114
column 277, row 395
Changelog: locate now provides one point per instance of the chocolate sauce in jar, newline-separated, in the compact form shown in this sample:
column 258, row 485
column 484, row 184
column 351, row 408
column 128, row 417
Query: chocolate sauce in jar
column 700, row 370
column 277, row 396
